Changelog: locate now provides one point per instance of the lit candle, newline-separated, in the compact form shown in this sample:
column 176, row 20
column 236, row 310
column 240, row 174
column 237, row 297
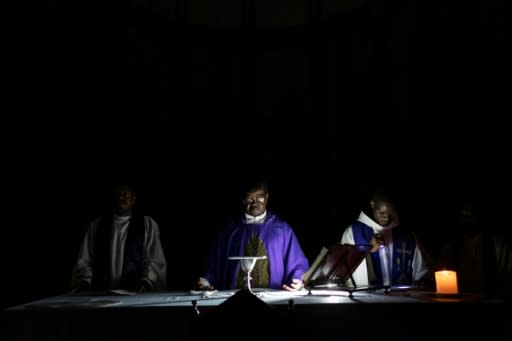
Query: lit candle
column 446, row 282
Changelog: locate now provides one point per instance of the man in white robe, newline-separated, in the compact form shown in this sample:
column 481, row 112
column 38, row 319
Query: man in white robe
column 121, row 251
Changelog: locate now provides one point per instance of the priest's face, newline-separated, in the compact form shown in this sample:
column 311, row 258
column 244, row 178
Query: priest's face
column 255, row 202
column 124, row 200
column 383, row 212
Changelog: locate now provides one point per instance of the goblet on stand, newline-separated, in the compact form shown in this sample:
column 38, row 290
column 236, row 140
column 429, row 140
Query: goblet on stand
column 247, row 264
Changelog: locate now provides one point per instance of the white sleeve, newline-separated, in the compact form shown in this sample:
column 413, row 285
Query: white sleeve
column 503, row 256
column 419, row 267
column 360, row 274
column 503, row 267
column 155, row 264
column 348, row 237
column 82, row 270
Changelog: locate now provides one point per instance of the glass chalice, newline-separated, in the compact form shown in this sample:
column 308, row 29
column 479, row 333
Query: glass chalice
column 247, row 264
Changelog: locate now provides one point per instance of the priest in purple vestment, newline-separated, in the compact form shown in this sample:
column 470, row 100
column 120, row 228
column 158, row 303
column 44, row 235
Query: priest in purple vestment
column 257, row 232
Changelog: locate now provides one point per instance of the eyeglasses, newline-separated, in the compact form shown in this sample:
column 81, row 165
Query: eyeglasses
column 257, row 198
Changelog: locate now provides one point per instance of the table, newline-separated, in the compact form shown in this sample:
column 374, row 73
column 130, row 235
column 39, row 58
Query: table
column 319, row 314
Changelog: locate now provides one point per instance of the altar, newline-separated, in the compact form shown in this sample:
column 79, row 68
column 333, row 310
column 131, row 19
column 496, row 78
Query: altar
column 316, row 314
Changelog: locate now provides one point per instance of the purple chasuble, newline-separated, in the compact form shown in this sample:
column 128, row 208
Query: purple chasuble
column 285, row 256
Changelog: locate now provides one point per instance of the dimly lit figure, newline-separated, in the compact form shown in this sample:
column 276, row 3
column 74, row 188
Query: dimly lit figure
column 121, row 250
column 481, row 257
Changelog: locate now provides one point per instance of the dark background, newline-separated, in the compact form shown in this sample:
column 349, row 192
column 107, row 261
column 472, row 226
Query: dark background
column 185, row 96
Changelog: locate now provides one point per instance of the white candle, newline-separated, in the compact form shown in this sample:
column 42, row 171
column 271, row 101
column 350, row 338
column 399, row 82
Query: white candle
column 446, row 282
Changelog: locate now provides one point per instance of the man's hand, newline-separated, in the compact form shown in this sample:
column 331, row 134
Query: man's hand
column 144, row 286
column 82, row 286
column 295, row 285
column 203, row 284
column 376, row 242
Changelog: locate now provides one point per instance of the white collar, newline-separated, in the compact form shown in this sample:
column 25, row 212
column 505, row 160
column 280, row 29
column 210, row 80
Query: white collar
column 249, row 219
column 373, row 224
column 121, row 218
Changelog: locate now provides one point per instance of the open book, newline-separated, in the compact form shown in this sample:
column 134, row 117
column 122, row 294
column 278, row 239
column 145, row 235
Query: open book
column 335, row 264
